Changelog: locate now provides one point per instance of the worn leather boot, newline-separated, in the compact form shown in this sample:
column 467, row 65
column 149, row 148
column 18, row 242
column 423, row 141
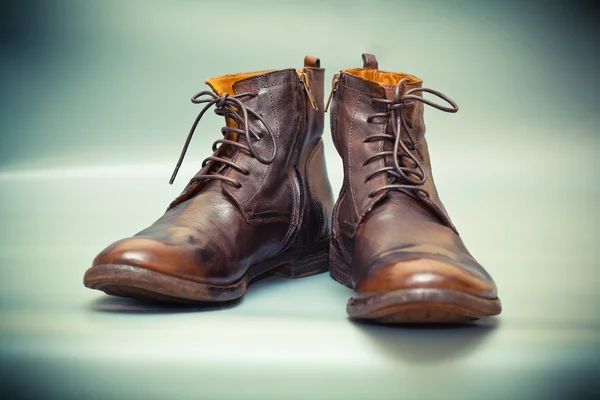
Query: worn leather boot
column 260, row 204
column 393, row 241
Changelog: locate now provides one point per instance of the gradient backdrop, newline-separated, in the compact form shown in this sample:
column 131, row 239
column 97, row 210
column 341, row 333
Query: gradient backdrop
column 94, row 108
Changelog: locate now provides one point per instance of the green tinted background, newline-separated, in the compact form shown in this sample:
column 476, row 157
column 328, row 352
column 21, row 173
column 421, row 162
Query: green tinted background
column 94, row 108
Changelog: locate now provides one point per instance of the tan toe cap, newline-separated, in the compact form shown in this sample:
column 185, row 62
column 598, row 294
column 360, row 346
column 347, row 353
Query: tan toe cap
column 152, row 255
column 423, row 273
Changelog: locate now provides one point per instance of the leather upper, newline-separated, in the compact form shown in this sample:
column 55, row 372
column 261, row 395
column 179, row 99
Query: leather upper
column 214, row 231
column 392, row 240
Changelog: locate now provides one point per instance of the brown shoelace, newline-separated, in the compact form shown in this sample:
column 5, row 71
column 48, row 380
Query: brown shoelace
column 232, row 107
column 403, row 176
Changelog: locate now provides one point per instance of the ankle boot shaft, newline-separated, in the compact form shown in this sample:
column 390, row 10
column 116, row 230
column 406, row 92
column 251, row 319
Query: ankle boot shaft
column 393, row 242
column 261, row 203
column 361, row 101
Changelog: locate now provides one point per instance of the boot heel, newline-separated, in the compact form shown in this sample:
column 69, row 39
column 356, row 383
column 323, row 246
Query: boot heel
column 339, row 269
column 314, row 261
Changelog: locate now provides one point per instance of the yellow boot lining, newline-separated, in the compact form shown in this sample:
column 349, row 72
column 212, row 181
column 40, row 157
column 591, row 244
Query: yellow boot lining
column 382, row 77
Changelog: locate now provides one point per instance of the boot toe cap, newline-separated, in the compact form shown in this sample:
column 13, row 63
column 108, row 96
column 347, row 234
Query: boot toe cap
column 135, row 251
column 424, row 273
column 148, row 254
column 194, row 261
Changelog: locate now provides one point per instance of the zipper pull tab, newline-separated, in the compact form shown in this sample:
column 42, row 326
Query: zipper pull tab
column 334, row 85
column 309, row 93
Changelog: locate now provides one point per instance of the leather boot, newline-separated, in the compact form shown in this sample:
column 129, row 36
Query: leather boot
column 260, row 204
column 393, row 241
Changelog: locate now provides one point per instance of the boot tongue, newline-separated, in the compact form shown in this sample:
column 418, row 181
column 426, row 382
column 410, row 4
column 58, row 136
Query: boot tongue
column 219, row 86
column 229, row 84
column 226, row 84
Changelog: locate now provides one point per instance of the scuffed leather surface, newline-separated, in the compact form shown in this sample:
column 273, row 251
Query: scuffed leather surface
column 392, row 241
column 402, row 229
column 214, row 231
column 204, row 239
column 350, row 110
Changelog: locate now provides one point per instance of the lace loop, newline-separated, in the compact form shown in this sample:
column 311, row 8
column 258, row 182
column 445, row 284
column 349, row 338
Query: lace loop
column 229, row 107
column 409, row 178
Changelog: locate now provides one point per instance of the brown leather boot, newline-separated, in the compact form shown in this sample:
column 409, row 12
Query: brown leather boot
column 393, row 241
column 260, row 204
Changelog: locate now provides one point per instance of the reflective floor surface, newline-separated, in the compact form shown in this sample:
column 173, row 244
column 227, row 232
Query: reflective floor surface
column 285, row 339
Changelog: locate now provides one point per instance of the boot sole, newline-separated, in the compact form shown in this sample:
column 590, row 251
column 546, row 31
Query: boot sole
column 406, row 306
column 143, row 284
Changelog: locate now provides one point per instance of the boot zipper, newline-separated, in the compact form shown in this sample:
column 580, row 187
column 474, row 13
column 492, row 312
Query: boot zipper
column 311, row 99
column 334, row 85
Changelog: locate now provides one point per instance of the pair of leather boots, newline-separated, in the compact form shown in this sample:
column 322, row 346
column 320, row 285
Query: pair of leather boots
column 262, row 203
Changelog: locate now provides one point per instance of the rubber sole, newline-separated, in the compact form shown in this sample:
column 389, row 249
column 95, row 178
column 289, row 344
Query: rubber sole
column 143, row 284
column 420, row 306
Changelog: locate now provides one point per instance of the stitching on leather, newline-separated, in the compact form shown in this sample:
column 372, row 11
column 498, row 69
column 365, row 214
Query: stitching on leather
column 312, row 197
column 314, row 262
column 315, row 257
column 284, row 78
column 275, row 214
column 347, row 228
column 277, row 84
column 350, row 157
column 362, row 92
column 274, row 219
column 293, row 225
column 290, row 180
column 276, row 138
